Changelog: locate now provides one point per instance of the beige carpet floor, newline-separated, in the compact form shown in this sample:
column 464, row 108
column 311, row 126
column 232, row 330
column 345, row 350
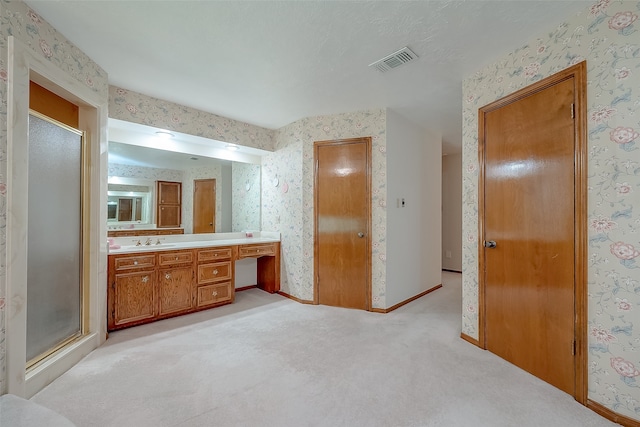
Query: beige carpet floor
column 269, row 361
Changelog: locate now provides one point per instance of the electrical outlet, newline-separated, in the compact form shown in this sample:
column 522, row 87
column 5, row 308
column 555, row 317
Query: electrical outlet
column 403, row 202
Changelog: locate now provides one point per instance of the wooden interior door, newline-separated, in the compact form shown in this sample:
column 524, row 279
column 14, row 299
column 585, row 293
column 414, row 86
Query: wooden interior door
column 124, row 209
column 343, row 223
column 204, row 206
column 529, row 223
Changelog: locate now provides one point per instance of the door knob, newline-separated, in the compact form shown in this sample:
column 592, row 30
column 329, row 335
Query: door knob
column 210, row 223
column 490, row 244
column 361, row 234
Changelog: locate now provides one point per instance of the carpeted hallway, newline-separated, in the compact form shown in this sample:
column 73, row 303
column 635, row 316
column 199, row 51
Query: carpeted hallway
column 269, row 361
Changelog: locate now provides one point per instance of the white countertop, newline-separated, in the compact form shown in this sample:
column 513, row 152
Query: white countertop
column 190, row 241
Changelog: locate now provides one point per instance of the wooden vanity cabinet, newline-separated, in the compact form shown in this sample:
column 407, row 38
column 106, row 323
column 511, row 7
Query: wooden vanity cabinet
column 132, row 290
column 175, row 282
column 149, row 286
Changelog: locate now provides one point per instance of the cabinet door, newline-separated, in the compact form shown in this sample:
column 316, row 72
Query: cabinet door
column 169, row 193
column 168, row 204
column 134, row 297
column 176, row 289
column 168, row 216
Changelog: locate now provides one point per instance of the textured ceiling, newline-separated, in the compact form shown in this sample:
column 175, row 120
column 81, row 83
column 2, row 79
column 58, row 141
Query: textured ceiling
column 270, row 63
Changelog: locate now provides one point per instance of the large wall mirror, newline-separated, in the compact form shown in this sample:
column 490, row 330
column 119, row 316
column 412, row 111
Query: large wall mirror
column 141, row 155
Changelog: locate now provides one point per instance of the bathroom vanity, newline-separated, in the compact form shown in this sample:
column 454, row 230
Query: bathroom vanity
column 173, row 275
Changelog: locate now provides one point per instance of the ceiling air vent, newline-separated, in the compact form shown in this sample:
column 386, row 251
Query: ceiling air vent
column 394, row 60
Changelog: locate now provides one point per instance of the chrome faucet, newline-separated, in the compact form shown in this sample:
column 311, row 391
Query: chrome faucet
column 158, row 242
column 137, row 241
column 148, row 242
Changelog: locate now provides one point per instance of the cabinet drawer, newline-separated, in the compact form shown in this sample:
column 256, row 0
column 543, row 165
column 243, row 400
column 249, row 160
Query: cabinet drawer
column 212, row 294
column 171, row 258
column 214, row 254
column 247, row 251
column 214, row 272
column 135, row 261
column 169, row 231
column 119, row 233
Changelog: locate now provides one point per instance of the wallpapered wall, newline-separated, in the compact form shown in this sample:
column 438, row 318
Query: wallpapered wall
column 288, row 202
column 137, row 108
column 607, row 35
column 143, row 172
column 245, row 196
column 26, row 26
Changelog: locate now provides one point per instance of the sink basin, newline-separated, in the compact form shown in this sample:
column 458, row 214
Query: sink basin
column 149, row 247
column 162, row 245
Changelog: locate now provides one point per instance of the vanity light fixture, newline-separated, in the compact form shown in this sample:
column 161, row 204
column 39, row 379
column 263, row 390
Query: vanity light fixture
column 164, row 134
column 232, row 147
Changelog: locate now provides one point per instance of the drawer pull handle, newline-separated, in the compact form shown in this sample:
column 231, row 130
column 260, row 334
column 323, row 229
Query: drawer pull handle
column 258, row 250
column 215, row 272
column 167, row 276
column 214, row 293
column 216, row 255
column 135, row 262
column 145, row 279
column 176, row 258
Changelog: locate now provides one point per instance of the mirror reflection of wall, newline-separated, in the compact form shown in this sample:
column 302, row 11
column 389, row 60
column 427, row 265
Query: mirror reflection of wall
column 129, row 203
column 246, row 196
column 237, row 206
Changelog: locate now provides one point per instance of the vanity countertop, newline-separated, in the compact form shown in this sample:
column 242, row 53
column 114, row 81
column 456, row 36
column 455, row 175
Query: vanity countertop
column 190, row 241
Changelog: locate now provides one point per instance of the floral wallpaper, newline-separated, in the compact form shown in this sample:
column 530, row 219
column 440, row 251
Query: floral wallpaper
column 246, row 196
column 135, row 107
column 287, row 202
column 143, row 172
column 18, row 20
column 607, row 35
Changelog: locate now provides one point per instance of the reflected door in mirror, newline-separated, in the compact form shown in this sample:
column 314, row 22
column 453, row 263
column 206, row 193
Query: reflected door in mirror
column 204, row 205
column 124, row 211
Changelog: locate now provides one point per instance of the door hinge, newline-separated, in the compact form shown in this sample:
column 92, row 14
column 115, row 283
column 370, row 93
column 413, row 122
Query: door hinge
column 573, row 348
column 573, row 111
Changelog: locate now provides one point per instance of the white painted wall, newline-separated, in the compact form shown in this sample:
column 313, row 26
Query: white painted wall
column 452, row 212
column 414, row 172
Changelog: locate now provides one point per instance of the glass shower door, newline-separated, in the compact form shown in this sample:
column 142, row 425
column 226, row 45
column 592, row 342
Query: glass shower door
column 54, row 237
